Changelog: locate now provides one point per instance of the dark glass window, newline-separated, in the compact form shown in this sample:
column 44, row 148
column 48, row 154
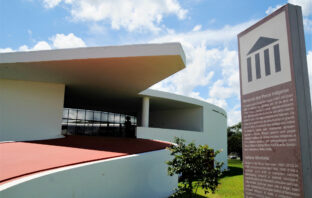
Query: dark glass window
column 65, row 113
column 111, row 117
column 258, row 69
column 122, row 118
column 267, row 62
column 72, row 114
column 81, row 114
column 104, row 117
column 277, row 58
column 89, row 115
column 97, row 115
column 89, row 122
column 249, row 72
column 117, row 118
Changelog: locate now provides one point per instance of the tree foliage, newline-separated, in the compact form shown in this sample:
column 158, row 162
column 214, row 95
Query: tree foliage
column 235, row 139
column 194, row 163
column 237, row 128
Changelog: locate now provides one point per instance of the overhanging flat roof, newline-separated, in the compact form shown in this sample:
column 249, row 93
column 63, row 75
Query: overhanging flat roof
column 97, row 77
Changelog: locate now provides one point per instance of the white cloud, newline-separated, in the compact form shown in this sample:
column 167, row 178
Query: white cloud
column 272, row 9
column 208, row 58
column 197, row 28
column 206, row 37
column 230, row 60
column 95, row 28
column 51, row 3
column 23, row 48
column 234, row 115
column 58, row 41
column 307, row 23
column 219, row 102
column 41, row 45
column 218, row 90
column 132, row 15
column 4, row 50
column 67, row 41
column 195, row 74
column 309, row 59
column 306, row 6
column 200, row 59
column 230, row 70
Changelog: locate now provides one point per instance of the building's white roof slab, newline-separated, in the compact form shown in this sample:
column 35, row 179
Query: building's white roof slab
column 96, row 77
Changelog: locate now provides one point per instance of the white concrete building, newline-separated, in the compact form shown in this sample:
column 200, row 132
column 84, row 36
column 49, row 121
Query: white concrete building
column 90, row 91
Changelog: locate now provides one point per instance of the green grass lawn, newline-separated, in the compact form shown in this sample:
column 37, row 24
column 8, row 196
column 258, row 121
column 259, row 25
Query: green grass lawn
column 231, row 184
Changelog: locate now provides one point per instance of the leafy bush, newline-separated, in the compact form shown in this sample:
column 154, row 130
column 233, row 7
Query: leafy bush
column 196, row 166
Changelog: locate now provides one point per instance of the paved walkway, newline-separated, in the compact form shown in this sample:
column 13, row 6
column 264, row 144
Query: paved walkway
column 18, row 159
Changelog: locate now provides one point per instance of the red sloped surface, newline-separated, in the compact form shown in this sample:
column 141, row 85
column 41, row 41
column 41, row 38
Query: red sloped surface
column 18, row 159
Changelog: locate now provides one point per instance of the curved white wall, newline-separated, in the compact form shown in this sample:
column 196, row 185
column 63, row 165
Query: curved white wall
column 30, row 110
column 215, row 130
column 134, row 176
column 214, row 133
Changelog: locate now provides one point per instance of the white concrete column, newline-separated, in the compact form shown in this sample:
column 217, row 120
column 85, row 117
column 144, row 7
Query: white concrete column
column 145, row 111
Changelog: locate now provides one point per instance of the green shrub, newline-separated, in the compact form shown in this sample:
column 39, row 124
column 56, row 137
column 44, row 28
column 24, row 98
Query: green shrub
column 194, row 163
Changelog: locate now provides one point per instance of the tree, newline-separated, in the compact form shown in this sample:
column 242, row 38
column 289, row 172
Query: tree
column 196, row 165
column 235, row 140
column 234, row 129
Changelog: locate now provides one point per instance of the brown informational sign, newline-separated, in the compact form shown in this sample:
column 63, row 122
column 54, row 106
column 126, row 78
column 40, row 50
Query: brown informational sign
column 276, row 107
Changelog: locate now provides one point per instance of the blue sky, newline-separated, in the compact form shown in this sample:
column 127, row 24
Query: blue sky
column 207, row 30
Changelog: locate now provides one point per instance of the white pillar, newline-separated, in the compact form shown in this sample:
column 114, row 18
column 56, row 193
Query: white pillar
column 145, row 111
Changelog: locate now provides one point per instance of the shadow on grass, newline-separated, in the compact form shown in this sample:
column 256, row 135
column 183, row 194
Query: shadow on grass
column 232, row 172
column 193, row 196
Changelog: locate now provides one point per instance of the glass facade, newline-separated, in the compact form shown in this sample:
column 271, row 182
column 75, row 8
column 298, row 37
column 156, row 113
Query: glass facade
column 89, row 122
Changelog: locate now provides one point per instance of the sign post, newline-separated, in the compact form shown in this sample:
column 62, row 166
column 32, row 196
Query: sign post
column 276, row 107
